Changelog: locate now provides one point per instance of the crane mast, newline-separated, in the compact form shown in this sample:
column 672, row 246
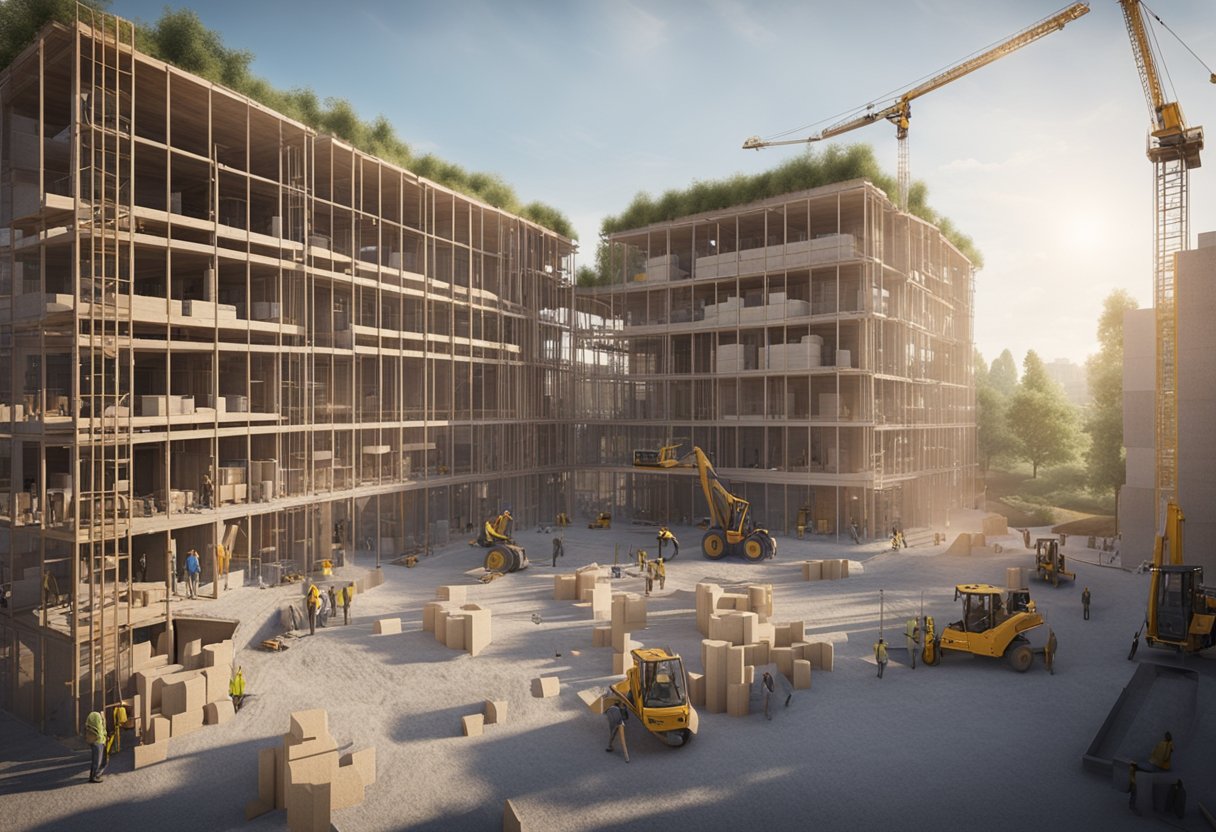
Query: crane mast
column 1174, row 149
column 900, row 112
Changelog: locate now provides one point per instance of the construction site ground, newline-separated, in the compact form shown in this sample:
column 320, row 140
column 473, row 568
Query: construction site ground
column 967, row 742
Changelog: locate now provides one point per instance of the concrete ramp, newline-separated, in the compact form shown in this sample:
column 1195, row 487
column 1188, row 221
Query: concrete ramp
column 1158, row 698
column 961, row 545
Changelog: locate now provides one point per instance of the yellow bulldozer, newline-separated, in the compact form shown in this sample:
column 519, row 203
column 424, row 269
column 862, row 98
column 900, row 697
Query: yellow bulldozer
column 987, row 628
column 505, row 554
column 1181, row 610
column 655, row 690
column 1049, row 561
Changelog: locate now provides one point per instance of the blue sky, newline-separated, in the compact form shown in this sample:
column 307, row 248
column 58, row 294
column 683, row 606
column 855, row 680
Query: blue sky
column 1039, row 157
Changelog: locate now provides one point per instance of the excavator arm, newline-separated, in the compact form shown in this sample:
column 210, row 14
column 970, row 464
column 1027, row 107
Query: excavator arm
column 726, row 511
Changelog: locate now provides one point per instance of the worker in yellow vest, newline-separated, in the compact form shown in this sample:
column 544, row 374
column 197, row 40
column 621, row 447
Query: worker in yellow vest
column 236, row 688
column 314, row 607
column 119, row 715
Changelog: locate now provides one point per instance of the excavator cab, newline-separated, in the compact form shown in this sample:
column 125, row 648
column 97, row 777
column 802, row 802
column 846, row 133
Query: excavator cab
column 1186, row 611
column 655, row 689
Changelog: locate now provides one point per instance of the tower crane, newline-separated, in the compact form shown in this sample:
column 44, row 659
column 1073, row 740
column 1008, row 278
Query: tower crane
column 1173, row 148
column 900, row 112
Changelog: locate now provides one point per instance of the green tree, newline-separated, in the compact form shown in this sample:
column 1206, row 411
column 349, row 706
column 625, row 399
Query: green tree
column 20, row 21
column 1043, row 422
column 1003, row 374
column 993, row 437
column 1105, row 460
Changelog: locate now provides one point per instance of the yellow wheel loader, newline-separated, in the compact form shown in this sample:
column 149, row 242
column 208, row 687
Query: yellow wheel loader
column 1181, row 610
column 603, row 520
column 655, row 690
column 1049, row 561
column 988, row 628
column 505, row 554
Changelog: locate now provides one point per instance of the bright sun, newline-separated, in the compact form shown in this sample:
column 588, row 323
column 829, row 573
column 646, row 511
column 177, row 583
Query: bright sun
column 1084, row 234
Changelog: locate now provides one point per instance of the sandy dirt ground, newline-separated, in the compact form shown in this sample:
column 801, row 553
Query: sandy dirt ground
column 967, row 743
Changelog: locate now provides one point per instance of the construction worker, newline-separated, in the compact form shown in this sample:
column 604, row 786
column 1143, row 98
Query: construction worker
column 236, row 688
column 641, row 559
column 95, row 736
column 1085, row 604
column 660, row 570
column 119, row 715
column 193, row 568
column 1049, row 651
column 559, row 550
column 348, row 595
column 665, row 536
column 314, row 606
column 1163, row 753
column 649, row 576
column 617, row 717
column 766, row 687
column 912, row 635
column 880, row 656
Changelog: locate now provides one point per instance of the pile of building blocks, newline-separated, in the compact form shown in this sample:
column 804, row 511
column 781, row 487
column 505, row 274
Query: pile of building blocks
column 456, row 624
column 740, row 637
column 307, row 777
column 832, row 569
column 587, row 584
column 494, row 713
column 628, row 614
column 172, row 700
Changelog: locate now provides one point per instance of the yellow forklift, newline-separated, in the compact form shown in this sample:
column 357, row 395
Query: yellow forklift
column 655, row 690
column 1049, row 561
column 987, row 628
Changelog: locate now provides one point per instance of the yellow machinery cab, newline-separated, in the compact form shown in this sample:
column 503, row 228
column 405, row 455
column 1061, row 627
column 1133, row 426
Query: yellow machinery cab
column 989, row 628
column 655, row 690
column 1049, row 561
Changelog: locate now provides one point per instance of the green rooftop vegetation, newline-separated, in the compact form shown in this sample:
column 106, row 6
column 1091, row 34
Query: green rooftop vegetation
column 809, row 170
column 180, row 38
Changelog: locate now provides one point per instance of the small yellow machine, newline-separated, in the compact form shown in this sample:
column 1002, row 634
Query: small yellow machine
column 1049, row 561
column 665, row 457
column 603, row 520
column 505, row 554
column 730, row 530
column 988, row 628
column 655, row 690
column 1181, row 610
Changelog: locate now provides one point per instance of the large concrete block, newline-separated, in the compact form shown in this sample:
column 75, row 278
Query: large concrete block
column 309, row 725
column 141, row 654
column 594, row 699
column 714, row 655
column 738, row 699
column 186, row 695
column 707, row 595
column 734, row 665
column 545, row 686
column 601, row 601
column 217, row 713
column 477, row 634
column 827, row 655
column 308, row 807
column 766, row 632
column 601, row 637
column 149, row 753
column 831, row 570
column 454, row 593
column 364, row 762
column 783, row 657
column 266, row 777
column 471, row 725
column 293, row 750
column 761, row 651
column 620, row 640
column 441, row 622
column 797, row 631
column 428, row 614
column 159, row 730
column 191, row 655
column 1015, row 577
column 760, row 600
column 454, row 632
column 186, row 723
column 696, row 689
column 620, row 661
column 218, row 655
column 346, row 789
column 812, row 570
column 496, row 711
column 844, row 568
column 387, row 627
column 635, row 611
column 565, row 587
column 802, row 674
column 733, row 601
column 512, row 819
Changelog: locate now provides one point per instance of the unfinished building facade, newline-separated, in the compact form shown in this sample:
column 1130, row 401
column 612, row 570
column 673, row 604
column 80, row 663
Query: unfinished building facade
column 817, row 344
column 221, row 331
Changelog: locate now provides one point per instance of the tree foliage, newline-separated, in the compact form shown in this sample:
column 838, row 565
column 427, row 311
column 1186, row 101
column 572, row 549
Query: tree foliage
column 179, row 37
column 1003, row 374
column 993, row 437
column 1105, row 459
column 1043, row 422
column 811, row 169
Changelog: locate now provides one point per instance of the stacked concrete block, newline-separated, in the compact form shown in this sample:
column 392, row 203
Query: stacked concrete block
column 387, row 627
column 585, row 579
column 1015, row 577
column 757, row 653
column 831, row 570
column 594, row 699
column 159, row 730
column 476, row 629
column 565, row 588
column 821, row 655
column 186, row 695
column 783, row 657
column 141, row 654
column 802, row 674
column 217, row 679
column 812, row 570
column 601, row 637
column 601, row 601
column 733, row 601
column 472, row 725
column 191, row 656
column 431, row 611
column 218, row 655
column 978, row 541
column 735, row 627
column 545, row 686
column 455, row 594
column 696, row 689
column 306, row 776
column 760, row 600
column 787, row 634
column 454, row 632
column 713, row 660
column 495, row 711
column 186, row 722
column 707, row 596
column 217, row 713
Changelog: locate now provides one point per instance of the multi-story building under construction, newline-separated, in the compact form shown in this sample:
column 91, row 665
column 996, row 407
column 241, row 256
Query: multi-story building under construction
column 817, row 344
column 221, row 331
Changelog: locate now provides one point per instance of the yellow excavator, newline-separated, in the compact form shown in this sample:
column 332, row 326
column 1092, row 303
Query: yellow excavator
column 505, row 554
column 655, row 689
column 730, row 523
column 988, row 628
column 1049, row 561
column 1181, row 610
column 667, row 456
